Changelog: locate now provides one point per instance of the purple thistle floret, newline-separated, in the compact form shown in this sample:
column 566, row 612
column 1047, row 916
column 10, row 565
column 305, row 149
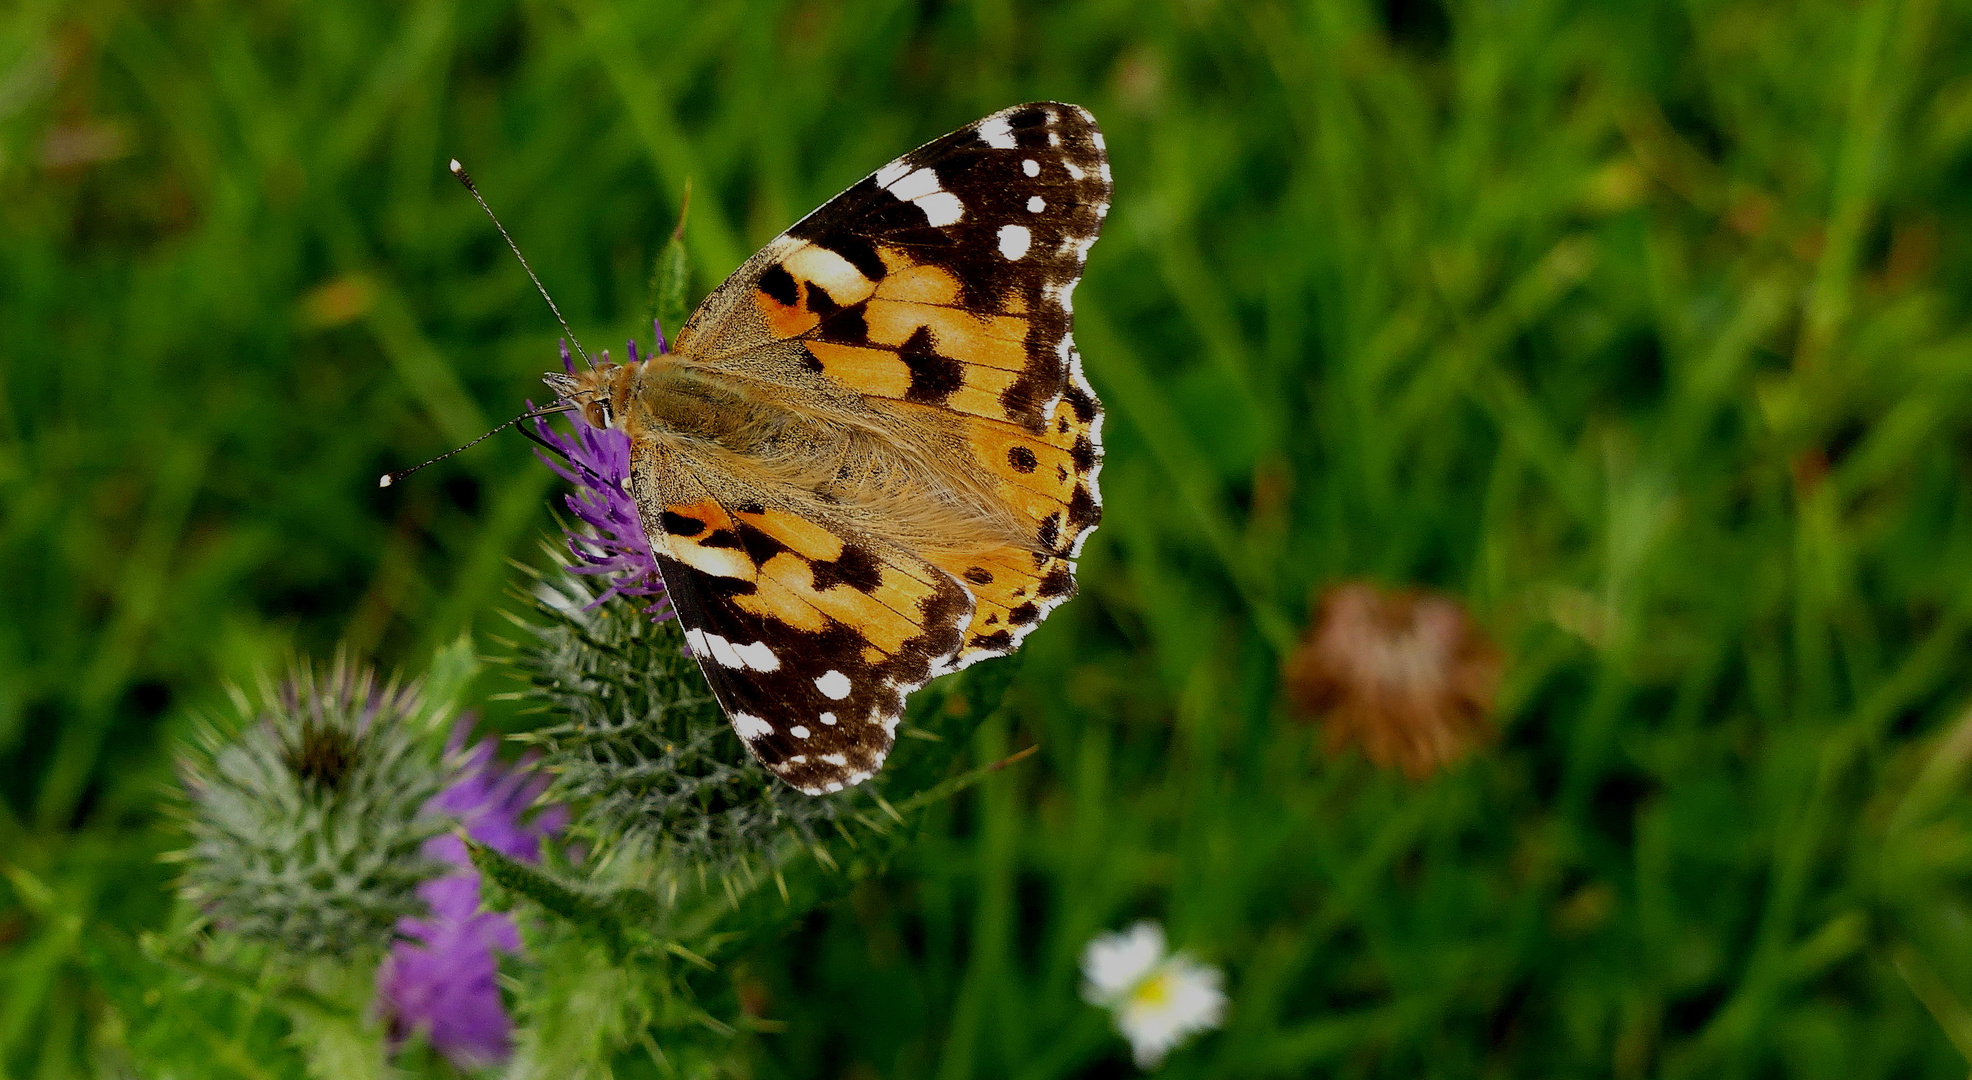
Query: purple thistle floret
column 614, row 546
column 596, row 461
column 441, row 979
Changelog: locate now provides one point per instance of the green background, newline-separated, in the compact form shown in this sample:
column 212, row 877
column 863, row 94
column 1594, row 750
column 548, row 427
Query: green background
column 1640, row 328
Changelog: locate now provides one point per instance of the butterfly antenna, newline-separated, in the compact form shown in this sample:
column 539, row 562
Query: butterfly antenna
column 566, row 406
column 459, row 171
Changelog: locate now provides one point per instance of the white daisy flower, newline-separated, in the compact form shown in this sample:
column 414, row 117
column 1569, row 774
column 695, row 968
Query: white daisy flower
column 1159, row 999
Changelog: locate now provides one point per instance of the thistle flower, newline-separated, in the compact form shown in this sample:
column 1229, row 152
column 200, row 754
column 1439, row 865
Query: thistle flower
column 1158, row 999
column 614, row 546
column 1407, row 676
column 441, row 977
column 305, row 814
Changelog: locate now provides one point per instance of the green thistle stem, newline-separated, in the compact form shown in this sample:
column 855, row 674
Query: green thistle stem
column 346, row 1042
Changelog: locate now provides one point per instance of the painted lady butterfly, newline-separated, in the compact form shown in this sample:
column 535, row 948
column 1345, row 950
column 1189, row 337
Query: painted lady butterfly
column 870, row 458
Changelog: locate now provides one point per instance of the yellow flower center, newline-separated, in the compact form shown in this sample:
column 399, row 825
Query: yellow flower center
column 1154, row 992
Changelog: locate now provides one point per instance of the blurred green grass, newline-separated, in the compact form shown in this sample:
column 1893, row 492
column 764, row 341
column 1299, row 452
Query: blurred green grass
column 1641, row 328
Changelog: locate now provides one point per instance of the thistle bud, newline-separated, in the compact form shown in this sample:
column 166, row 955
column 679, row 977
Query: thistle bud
column 304, row 813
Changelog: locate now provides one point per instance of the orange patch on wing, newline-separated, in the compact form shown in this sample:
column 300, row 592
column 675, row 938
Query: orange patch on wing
column 1015, row 583
column 885, row 617
column 1021, row 461
column 1009, row 600
column 920, row 283
column 909, row 280
column 785, row 320
column 992, row 341
column 773, row 597
column 706, row 512
column 881, row 372
column 980, row 393
column 806, row 538
column 869, row 371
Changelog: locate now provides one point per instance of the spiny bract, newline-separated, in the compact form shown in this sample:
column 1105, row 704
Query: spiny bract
column 643, row 747
column 305, row 813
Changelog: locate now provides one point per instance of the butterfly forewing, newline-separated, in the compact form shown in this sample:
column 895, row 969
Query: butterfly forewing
column 931, row 304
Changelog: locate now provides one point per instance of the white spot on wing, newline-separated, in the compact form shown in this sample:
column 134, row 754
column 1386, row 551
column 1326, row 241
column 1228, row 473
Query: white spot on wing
column 798, row 759
column 891, row 173
column 722, row 651
column 915, row 186
column 1074, row 171
column 835, row 759
column 1036, row 204
column 1015, row 240
column 828, row 718
column 751, row 727
column 941, row 208
column 1096, row 137
column 1031, row 167
column 719, row 562
column 835, row 274
column 758, row 656
column 696, row 639
column 1104, row 169
column 1064, row 293
column 799, row 731
column 997, row 134
column 834, row 684
column 889, row 724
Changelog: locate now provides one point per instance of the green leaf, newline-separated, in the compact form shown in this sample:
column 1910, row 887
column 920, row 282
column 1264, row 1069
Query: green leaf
column 453, row 668
column 671, row 274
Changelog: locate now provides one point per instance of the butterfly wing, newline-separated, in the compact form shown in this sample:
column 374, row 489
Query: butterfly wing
column 810, row 632
column 941, row 286
column 930, row 302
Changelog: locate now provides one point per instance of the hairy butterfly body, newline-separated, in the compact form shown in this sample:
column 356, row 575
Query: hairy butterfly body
column 870, row 458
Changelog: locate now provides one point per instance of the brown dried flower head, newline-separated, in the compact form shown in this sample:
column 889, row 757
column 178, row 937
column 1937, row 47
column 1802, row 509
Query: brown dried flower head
column 1405, row 675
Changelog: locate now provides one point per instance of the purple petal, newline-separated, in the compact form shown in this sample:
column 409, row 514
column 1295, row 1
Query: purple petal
column 614, row 546
column 442, row 978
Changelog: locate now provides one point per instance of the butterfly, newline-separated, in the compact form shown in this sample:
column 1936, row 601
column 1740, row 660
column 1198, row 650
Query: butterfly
column 870, row 457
